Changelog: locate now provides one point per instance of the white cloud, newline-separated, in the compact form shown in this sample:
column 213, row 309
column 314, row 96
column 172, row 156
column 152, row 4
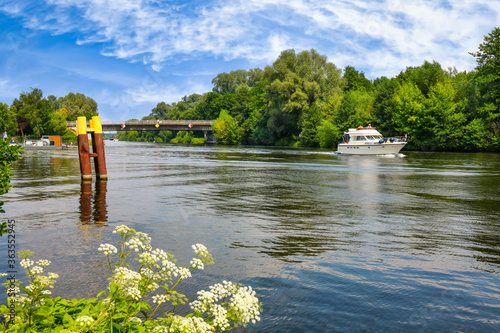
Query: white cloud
column 368, row 34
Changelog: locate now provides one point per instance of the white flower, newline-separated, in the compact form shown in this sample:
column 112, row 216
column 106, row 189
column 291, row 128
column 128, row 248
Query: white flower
column 26, row 263
column 147, row 258
column 124, row 230
column 183, row 273
column 192, row 324
column 160, row 299
column 84, row 321
column 37, row 270
column 197, row 263
column 135, row 320
column 107, row 249
column 43, row 263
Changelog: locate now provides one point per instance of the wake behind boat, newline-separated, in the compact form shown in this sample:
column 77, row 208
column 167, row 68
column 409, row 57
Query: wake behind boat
column 368, row 141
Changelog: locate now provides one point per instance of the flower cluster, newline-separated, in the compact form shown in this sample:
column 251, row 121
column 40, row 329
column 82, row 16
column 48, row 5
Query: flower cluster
column 140, row 241
column 222, row 307
column 241, row 301
column 84, row 321
column 128, row 281
column 107, row 249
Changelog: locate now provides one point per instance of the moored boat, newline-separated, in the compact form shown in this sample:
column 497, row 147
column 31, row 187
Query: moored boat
column 46, row 142
column 369, row 141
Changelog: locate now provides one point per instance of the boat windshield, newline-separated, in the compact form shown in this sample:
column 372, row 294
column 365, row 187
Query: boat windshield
column 374, row 137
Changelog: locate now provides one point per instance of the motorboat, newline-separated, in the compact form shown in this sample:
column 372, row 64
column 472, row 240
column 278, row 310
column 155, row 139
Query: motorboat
column 369, row 141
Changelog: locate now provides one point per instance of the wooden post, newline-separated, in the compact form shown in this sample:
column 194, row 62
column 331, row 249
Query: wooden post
column 83, row 148
column 95, row 131
column 98, row 148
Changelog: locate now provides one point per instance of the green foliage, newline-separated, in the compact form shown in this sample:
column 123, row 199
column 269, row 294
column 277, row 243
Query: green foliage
column 225, row 83
column 69, row 137
column 226, row 129
column 124, row 307
column 355, row 109
column 8, row 154
column 424, row 77
column 77, row 105
column 488, row 77
column 7, row 120
column 303, row 92
column 356, row 80
column 328, row 135
column 187, row 138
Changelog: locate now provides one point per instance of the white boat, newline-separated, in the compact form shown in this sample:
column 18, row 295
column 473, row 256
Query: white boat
column 368, row 141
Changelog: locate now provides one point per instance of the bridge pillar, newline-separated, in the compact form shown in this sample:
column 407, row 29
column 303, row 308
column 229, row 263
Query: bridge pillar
column 84, row 153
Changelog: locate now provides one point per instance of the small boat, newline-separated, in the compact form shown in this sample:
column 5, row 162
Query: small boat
column 46, row 142
column 113, row 139
column 368, row 141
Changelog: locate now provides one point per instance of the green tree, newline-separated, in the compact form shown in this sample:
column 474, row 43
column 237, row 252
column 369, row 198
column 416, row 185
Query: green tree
column 488, row 76
column 310, row 127
column 226, row 129
column 355, row 109
column 33, row 113
column 356, row 80
column 78, row 105
column 328, row 134
column 7, row 120
column 409, row 112
column 297, row 82
column 383, row 107
column 8, row 155
column 425, row 76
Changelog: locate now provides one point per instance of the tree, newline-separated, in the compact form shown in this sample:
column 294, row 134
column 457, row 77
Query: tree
column 488, row 67
column 7, row 120
column 425, row 76
column 328, row 134
column 409, row 112
column 33, row 113
column 226, row 129
column 488, row 76
column 78, row 105
column 356, row 80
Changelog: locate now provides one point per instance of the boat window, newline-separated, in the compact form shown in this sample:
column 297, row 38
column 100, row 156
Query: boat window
column 361, row 138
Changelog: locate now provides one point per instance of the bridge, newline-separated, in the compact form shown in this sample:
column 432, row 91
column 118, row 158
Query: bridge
column 154, row 125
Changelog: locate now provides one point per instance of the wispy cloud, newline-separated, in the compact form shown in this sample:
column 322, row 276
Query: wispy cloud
column 361, row 33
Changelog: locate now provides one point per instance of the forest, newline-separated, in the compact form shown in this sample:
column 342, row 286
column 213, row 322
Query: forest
column 31, row 115
column 304, row 100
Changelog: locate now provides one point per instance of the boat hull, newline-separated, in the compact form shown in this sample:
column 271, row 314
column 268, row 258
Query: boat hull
column 385, row 148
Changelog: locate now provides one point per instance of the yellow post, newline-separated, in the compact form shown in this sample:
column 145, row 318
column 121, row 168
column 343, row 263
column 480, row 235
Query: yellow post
column 98, row 148
column 83, row 148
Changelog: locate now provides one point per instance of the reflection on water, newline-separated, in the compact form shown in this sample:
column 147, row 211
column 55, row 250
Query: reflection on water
column 93, row 207
column 330, row 243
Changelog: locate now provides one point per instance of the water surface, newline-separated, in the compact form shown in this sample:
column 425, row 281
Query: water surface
column 330, row 243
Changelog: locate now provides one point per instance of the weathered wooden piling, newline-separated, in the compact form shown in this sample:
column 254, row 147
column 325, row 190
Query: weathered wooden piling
column 95, row 131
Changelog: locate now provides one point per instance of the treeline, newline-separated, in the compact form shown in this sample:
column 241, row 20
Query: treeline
column 302, row 99
column 32, row 115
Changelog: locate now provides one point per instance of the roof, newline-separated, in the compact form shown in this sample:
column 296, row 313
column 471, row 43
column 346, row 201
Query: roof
column 355, row 131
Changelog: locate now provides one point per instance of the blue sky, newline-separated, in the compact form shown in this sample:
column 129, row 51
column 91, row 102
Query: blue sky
column 129, row 55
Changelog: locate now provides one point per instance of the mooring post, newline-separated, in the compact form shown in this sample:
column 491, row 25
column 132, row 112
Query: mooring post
column 95, row 131
column 98, row 148
column 83, row 148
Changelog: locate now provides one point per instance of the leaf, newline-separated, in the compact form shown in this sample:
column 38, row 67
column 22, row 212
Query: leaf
column 68, row 320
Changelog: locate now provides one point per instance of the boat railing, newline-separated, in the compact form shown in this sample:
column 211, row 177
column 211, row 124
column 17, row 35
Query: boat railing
column 396, row 139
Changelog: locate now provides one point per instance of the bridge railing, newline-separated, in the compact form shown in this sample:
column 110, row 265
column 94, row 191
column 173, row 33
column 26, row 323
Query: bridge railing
column 152, row 122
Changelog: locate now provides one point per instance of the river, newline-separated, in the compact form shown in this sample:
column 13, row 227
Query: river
column 329, row 243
